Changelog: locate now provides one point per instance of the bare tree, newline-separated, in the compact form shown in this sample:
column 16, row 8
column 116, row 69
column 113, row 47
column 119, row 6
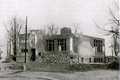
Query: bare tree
column 76, row 30
column 13, row 27
column 114, row 23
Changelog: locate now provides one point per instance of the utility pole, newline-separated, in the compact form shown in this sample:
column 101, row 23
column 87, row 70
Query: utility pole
column 26, row 39
column 14, row 40
column 25, row 45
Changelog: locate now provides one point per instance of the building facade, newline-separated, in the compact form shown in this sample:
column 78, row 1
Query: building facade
column 20, row 56
column 34, row 46
column 65, row 47
column 82, row 49
column 91, row 49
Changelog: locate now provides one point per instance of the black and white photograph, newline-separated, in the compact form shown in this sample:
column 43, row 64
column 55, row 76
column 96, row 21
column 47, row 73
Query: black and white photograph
column 59, row 39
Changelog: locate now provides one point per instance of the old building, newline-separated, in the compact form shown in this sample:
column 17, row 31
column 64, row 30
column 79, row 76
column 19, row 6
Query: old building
column 91, row 49
column 64, row 42
column 34, row 46
column 20, row 56
column 65, row 47
column 80, row 49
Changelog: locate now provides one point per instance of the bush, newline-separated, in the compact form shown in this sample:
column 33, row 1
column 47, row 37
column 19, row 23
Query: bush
column 114, row 65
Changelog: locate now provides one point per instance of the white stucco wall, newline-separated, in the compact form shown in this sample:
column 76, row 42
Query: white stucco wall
column 85, row 49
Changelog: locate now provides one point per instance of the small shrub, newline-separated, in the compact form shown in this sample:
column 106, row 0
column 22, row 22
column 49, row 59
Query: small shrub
column 114, row 65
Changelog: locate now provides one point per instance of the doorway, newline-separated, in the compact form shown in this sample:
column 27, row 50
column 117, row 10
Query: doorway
column 33, row 55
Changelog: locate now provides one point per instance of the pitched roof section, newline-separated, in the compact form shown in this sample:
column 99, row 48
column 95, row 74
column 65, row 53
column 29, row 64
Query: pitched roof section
column 92, row 37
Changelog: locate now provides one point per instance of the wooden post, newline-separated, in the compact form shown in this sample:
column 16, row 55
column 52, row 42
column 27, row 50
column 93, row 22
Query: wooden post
column 26, row 39
column 24, row 65
column 15, row 39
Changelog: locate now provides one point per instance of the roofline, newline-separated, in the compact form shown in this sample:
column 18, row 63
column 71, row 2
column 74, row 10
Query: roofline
column 94, row 37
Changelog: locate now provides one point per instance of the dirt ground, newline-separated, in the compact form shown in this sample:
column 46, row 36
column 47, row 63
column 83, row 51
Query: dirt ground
column 89, row 75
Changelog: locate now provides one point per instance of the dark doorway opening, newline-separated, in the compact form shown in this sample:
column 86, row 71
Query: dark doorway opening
column 33, row 56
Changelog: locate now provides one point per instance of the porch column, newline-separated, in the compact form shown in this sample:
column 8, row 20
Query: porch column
column 71, row 44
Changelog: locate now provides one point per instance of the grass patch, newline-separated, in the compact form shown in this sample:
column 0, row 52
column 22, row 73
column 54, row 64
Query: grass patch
column 48, row 67
column 86, row 67
column 64, row 67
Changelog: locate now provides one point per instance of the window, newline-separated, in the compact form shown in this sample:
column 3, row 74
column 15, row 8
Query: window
column 99, row 49
column 62, row 43
column 99, row 45
column 50, row 45
column 98, row 60
column 82, row 59
column 90, row 60
column 95, row 60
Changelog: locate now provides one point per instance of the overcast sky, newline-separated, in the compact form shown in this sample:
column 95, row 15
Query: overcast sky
column 61, row 12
